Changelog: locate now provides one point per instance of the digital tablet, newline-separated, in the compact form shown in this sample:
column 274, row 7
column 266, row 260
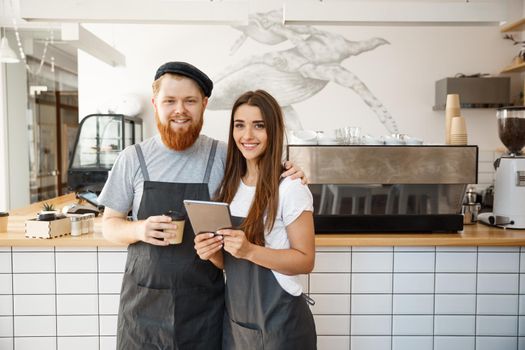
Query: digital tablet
column 208, row 216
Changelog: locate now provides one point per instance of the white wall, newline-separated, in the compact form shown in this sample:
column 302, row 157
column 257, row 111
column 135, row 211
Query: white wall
column 401, row 75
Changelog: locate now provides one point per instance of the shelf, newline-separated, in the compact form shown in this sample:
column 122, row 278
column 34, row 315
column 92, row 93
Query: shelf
column 513, row 26
column 514, row 68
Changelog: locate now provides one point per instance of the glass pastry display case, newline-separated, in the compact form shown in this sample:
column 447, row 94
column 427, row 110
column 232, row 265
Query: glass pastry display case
column 100, row 139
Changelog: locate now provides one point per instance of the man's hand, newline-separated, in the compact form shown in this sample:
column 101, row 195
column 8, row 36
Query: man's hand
column 156, row 230
column 294, row 172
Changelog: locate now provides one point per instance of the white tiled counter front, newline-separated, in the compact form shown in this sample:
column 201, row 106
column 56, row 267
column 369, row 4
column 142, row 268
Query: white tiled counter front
column 404, row 298
column 59, row 297
column 399, row 298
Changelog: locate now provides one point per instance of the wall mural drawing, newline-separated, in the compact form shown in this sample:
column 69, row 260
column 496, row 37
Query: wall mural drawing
column 295, row 74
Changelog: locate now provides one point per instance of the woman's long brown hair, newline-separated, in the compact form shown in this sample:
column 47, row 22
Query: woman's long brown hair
column 270, row 167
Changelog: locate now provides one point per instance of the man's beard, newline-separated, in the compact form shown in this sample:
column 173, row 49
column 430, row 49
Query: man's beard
column 178, row 140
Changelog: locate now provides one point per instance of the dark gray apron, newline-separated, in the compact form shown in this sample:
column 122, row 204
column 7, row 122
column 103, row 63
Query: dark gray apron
column 260, row 314
column 170, row 298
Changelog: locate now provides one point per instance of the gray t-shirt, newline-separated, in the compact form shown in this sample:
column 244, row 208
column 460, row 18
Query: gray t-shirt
column 123, row 189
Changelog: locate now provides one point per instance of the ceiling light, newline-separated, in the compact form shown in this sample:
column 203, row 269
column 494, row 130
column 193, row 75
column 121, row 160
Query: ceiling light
column 7, row 54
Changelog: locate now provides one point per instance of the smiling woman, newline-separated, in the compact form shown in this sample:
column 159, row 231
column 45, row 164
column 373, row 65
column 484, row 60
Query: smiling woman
column 275, row 239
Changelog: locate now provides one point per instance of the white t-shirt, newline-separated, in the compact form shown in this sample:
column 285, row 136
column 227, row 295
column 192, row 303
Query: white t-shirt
column 294, row 198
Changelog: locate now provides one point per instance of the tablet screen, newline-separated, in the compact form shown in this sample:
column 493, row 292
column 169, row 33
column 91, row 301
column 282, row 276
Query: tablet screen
column 208, row 216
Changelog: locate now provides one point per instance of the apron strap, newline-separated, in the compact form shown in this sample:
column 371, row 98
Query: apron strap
column 211, row 158
column 142, row 162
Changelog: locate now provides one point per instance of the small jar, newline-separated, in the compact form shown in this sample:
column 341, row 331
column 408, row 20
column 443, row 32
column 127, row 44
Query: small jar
column 76, row 225
column 85, row 224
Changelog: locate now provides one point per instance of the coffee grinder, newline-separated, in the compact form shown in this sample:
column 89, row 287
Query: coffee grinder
column 509, row 187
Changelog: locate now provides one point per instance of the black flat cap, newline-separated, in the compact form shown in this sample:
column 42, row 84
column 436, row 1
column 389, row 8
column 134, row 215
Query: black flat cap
column 189, row 71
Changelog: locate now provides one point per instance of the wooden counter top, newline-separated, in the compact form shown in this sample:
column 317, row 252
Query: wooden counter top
column 472, row 235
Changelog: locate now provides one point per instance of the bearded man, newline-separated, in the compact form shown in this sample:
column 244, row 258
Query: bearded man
column 170, row 299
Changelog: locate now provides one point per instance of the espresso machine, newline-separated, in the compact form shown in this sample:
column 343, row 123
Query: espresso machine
column 509, row 187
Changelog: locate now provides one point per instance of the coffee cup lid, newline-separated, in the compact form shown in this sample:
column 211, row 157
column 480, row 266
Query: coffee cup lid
column 2, row 214
column 175, row 215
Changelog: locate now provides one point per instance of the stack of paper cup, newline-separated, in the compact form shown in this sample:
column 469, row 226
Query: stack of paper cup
column 452, row 109
column 458, row 131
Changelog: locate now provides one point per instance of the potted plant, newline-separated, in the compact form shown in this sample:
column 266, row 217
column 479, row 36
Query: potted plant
column 48, row 212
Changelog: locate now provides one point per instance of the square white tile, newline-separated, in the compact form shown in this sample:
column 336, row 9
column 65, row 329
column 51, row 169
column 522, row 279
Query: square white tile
column 329, row 283
column 41, row 283
column 333, row 342
column 32, row 343
column 76, row 262
column 6, row 326
column 497, row 305
column 372, row 283
column 332, row 262
column 77, row 304
column 454, row 343
column 75, row 249
column 412, row 343
column 499, row 249
column 110, row 282
column 108, row 304
column 108, row 325
column 331, row 304
column 34, row 305
column 413, row 304
column 68, row 283
column 6, row 283
column 414, row 262
column 371, row 304
column 33, row 249
column 77, row 343
column 454, row 325
column 371, row 325
column 372, row 249
column 372, row 261
column 6, row 305
column 456, row 249
column 456, row 262
column 5, row 262
column 108, row 343
column 332, row 324
column 413, row 325
column 38, row 326
column 33, row 262
column 496, row 343
column 77, row 325
column 6, row 343
column 455, row 283
column 498, row 262
column 112, row 261
column 370, row 343
column 497, row 325
column 415, row 249
column 498, row 283
column 333, row 249
column 450, row 304
column 413, row 283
